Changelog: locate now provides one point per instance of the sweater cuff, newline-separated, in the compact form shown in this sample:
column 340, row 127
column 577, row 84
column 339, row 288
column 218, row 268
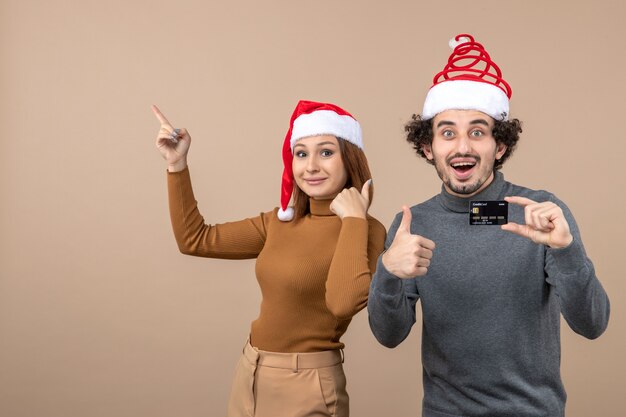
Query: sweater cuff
column 184, row 171
column 355, row 230
column 571, row 258
column 355, row 222
column 178, row 179
column 384, row 282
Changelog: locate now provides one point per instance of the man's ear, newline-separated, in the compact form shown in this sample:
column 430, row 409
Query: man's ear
column 427, row 149
column 500, row 150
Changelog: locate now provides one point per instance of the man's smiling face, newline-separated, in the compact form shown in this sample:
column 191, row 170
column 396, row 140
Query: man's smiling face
column 464, row 150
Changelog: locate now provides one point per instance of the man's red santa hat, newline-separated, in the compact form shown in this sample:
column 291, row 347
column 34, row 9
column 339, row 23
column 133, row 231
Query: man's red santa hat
column 469, row 81
column 313, row 119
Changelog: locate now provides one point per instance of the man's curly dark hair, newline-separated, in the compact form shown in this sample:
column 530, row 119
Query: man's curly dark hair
column 420, row 133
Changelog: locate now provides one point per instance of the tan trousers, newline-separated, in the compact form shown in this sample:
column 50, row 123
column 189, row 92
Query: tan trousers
column 269, row 384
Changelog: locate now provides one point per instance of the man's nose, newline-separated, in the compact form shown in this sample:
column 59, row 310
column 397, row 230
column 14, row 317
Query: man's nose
column 464, row 144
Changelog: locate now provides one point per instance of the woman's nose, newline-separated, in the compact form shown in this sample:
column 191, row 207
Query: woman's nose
column 312, row 164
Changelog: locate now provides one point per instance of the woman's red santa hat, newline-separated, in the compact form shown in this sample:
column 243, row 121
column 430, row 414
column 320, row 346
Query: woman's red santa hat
column 313, row 119
column 470, row 81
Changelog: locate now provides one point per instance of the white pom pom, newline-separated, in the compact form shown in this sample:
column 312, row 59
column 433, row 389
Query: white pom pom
column 285, row 215
column 453, row 43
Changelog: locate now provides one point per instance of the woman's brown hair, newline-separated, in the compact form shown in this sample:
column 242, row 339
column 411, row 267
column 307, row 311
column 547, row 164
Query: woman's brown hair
column 356, row 166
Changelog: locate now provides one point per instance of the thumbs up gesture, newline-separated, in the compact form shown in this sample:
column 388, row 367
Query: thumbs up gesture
column 409, row 255
column 352, row 203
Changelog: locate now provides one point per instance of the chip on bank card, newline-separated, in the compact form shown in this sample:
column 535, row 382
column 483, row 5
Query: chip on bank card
column 486, row 213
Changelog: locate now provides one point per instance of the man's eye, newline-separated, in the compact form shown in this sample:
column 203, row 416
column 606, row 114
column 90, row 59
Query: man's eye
column 447, row 133
column 326, row 153
column 476, row 133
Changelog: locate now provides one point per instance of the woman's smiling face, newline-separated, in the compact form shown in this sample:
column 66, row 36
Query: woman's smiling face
column 318, row 168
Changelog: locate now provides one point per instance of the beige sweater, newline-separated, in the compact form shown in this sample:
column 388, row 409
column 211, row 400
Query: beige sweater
column 314, row 273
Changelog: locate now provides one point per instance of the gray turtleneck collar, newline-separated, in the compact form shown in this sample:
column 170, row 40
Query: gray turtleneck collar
column 461, row 204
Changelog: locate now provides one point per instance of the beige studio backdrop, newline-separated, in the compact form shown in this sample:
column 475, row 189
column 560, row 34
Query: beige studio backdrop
column 99, row 313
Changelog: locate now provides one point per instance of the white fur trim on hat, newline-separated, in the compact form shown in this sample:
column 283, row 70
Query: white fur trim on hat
column 466, row 95
column 326, row 122
column 285, row 215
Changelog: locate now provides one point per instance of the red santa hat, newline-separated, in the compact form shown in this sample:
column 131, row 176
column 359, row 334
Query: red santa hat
column 469, row 81
column 313, row 119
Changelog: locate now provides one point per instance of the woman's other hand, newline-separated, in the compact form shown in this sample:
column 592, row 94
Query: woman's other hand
column 172, row 143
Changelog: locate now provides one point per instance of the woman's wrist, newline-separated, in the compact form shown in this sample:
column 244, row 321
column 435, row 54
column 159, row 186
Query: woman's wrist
column 359, row 214
column 178, row 166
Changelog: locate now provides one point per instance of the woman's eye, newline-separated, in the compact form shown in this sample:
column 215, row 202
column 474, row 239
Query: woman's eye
column 326, row 152
column 300, row 154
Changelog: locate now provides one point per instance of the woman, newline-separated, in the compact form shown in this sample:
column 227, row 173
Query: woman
column 314, row 261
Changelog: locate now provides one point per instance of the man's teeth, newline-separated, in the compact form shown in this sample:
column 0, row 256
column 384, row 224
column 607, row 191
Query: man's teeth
column 463, row 164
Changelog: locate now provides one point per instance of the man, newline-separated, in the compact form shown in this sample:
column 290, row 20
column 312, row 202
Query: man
column 491, row 296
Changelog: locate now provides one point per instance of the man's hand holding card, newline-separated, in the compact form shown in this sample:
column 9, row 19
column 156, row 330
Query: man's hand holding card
column 545, row 223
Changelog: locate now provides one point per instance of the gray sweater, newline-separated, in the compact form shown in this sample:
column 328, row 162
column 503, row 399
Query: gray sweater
column 491, row 304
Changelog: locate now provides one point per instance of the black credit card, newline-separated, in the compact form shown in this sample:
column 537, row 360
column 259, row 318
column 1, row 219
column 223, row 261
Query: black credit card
column 486, row 213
